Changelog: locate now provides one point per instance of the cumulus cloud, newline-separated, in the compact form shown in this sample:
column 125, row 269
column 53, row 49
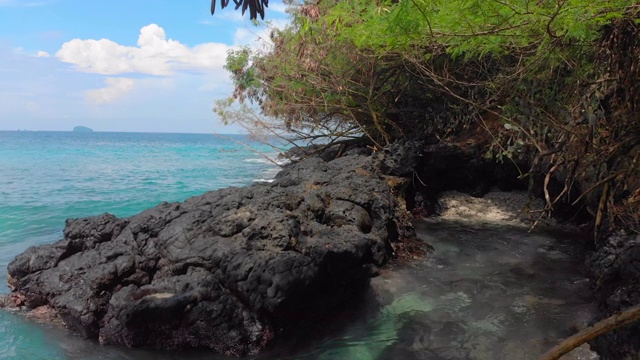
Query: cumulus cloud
column 115, row 88
column 153, row 55
column 43, row 54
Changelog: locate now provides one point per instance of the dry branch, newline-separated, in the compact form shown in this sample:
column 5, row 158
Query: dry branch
column 604, row 326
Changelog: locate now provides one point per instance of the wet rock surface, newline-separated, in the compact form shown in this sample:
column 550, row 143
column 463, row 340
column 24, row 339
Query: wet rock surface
column 226, row 270
column 615, row 269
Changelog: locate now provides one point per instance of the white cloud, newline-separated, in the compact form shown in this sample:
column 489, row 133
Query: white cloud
column 25, row 52
column 154, row 55
column 116, row 88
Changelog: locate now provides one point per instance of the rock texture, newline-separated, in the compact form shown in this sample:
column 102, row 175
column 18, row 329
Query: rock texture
column 226, row 270
column 615, row 268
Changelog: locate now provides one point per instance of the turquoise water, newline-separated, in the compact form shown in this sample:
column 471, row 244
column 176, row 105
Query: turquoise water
column 47, row 177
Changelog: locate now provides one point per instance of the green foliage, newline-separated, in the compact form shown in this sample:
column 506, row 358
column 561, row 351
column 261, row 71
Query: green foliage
column 529, row 73
column 369, row 62
column 244, row 75
column 478, row 27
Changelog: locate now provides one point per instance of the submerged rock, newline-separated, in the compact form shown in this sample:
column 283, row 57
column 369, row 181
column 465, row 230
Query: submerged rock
column 226, row 270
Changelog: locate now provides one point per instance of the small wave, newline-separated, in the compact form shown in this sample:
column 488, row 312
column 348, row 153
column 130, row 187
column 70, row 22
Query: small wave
column 263, row 180
column 278, row 161
column 282, row 161
column 257, row 161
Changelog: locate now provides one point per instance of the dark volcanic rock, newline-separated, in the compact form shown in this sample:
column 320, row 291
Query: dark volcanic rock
column 451, row 167
column 401, row 158
column 615, row 268
column 225, row 270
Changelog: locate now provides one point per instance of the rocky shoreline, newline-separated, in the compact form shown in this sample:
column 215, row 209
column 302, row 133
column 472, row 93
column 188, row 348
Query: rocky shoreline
column 232, row 269
column 227, row 270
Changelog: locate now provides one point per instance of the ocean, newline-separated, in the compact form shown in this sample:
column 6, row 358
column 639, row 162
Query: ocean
column 47, row 177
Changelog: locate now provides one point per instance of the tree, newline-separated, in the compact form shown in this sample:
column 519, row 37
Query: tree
column 255, row 7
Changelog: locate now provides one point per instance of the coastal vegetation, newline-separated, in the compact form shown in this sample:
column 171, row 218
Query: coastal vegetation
column 551, row 86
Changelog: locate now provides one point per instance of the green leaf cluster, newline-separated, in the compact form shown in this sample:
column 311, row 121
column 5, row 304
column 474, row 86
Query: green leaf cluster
column 370, row 62
column 554, row 83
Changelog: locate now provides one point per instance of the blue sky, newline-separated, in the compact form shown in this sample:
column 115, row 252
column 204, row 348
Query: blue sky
column 119, row 65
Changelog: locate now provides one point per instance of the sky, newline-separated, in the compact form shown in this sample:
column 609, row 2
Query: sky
column 120, row 65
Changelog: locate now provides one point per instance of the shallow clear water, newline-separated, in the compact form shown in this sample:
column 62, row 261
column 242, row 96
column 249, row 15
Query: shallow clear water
column 490, row 292
column 487, row 292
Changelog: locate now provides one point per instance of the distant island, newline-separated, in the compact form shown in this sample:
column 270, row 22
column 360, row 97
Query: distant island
column 83, row 129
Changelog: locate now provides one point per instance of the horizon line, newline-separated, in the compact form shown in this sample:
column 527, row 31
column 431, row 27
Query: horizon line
column 132, row 132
